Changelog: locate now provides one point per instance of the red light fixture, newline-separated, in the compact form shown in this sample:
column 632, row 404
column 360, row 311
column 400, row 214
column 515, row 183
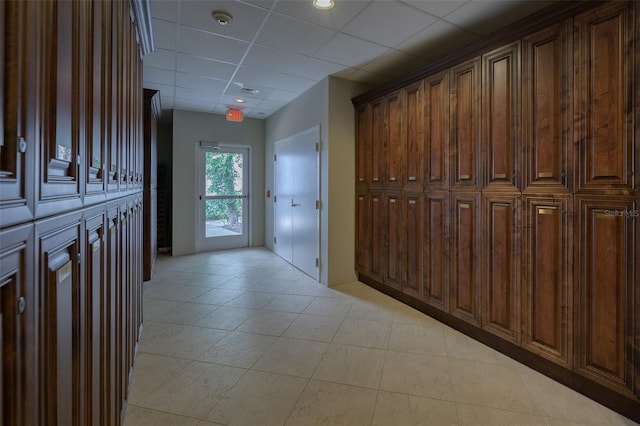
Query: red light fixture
column 234, row 114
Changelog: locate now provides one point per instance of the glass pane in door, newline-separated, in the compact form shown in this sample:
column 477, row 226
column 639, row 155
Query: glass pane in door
column 224, row 194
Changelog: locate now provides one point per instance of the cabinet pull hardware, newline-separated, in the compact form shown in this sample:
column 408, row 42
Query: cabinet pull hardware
column 22, row 145
column 393, row 200
column 545, row 174
column 545, row 211
column 21, row 304
column 464, row 205
column 465, row 177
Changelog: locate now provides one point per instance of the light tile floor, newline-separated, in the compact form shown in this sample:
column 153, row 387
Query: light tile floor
column 240, row 337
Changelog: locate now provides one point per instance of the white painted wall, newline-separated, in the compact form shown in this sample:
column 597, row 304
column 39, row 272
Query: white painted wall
column 188, row 129
column 328, row 103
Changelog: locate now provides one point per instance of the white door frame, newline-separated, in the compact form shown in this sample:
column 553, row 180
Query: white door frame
column 224, row 242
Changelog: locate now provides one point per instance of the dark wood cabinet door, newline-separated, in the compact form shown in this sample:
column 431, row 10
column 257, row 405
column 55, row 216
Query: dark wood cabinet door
column 95, row 310
column 501, row 118
column 547, row 91
column 377, row 240
column 62, row 355
column 396, row 141
column 548, row 277
column 17, row 137
column 394, row 239
column 501, row 254
column 436, row 249
column 413, row 134
column 607, row 236
column 111, row 376
column 413, row 225
column 436, row 131
column 363, row 232
column 465, row 256
column 465, row 125
column 378, row 143
column 17, row 328
column 604, row 88
column 363, row 143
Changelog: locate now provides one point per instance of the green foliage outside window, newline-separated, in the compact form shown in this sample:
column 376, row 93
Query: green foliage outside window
column 223, row 173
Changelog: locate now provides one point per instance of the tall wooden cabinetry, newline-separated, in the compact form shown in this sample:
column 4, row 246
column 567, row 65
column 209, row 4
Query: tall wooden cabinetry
column 151, row 116
column 71, row 174
column 508, row 201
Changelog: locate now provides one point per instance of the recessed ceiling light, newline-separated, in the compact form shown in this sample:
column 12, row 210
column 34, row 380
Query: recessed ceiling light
column 323, row 4
column 240, row 101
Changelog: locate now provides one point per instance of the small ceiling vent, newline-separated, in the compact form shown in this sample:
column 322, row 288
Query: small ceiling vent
column 249, row 91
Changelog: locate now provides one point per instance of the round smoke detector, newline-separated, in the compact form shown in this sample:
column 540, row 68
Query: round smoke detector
column 222, row 18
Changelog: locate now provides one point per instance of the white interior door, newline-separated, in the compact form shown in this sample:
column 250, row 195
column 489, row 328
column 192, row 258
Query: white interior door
column 297, row 221
column 223, row 199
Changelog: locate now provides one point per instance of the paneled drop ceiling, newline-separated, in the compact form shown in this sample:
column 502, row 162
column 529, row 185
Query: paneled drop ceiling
column 274, row 50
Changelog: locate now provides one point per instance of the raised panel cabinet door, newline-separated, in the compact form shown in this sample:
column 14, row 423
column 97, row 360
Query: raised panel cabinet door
column 413, row 134
column 436, row 249
column 547, row 277
column 363, row 143
column 436, row 130
column 396, row 140
column 546, row 109
column 501, row 117
column 394, row 238
column 62, row 350
column 62, row 76
column 111, row 377
column 604, row 88
column 501, row 262
column 17, row 329
column 377, row 240
column 465, row 256
column 378, row 143
column 465, row 125
column 413, row 226
column 363, row 232
column 96, row 297
column 607, row 236
column 17, row 138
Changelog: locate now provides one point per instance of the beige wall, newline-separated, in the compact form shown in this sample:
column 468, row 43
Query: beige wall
column 188, row 129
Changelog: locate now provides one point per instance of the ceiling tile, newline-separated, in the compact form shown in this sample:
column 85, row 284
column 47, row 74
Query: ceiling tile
column 164, row 9
column 209, row 85
column 335, row 18
column 165, row 90
column 394, row 63
column 388, row 23
column 437, row 40
column 204, row 67
column 252, row 76
column 436, row 7
column 349, row 51
column 156, row 75
column 296, row 36
column 164, row 34
column 366, row 77
column 258, row 92
column 209, row 95
column 160, row 58
column 246, row 18
column 273, row 59
column 282, row 96
column 193, row 105
column 207, row 45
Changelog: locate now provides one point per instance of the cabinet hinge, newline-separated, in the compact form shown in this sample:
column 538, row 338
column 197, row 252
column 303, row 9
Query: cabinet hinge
column 275, row 198
column 317, row 262
column 275, row 240
column 317, row 146
column 318, row 204
column 275, row 157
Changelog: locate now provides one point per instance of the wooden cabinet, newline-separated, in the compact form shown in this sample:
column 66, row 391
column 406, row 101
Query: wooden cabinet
column 363, row 233
column 607, row 236
column 436, row 249
column 546, row 109
column 363, row 143
column 17, row 314
column 465, row 125
column 547, row 290
column 501, row 118
column 413, row 135
column 378, row 144
column 501, row 254
column 436, row 131
column 395, row 141
column 604, row 91
column 151, row 115
column 465, row 256
column 413, row 237
column 394, row 240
